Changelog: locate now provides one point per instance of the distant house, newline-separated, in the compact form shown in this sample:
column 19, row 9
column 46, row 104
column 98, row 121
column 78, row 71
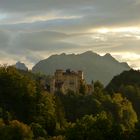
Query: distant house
column 68, row 80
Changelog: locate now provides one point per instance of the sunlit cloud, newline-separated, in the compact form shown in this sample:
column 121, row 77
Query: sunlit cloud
column 34, row 18
column 117, row 30
column 49, row 17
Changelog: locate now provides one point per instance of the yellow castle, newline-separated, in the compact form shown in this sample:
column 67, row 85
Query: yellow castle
column 68, row 80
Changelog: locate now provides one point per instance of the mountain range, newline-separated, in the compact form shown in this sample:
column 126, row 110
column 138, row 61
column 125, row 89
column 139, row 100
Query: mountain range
column 94, row 66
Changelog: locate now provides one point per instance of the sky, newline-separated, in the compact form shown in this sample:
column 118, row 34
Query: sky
column 32, row 30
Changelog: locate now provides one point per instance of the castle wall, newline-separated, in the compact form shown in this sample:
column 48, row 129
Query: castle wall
column 71, row 82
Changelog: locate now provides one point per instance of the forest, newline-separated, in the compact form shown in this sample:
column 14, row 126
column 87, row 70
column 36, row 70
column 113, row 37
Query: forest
column 29, row 112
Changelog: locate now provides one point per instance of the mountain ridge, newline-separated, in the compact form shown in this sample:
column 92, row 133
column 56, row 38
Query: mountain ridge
column 94, row 66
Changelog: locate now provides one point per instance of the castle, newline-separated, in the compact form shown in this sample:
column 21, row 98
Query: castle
column 68, row 80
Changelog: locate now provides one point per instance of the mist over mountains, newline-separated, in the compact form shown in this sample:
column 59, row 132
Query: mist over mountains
column 94, row 66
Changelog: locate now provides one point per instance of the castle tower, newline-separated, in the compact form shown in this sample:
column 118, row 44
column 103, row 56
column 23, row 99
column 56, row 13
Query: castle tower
column 59, row 75
column 81, row 75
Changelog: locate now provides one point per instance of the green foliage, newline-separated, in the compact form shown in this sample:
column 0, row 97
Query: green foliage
column 89, row 127
column 124, row 112
column 136, row 133
column 76, row 106
column 60, row 113
column 83, row 88
column 16, row 92
column 98, row 86
column 38, row 131
column 46, row 115
column 131, row 77
column 106, row 114
column 15, row 131
column 128, row 84
column 57, row 138
column 22, row 99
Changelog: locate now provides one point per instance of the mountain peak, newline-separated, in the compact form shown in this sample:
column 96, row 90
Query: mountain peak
column 63, row 54
column 89, row 53
column 108, row 56
column 21, row 66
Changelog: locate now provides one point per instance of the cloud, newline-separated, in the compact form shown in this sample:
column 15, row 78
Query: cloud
column 31, row 30
column 93, row 13
column 4, row 39
column 31, row 47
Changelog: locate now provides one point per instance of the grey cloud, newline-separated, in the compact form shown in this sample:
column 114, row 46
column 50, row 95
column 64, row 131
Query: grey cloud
column 31, row 45
column 40, row 41
column 34, row 5
column 31, row 40
column 4, row 39
column 94, row 12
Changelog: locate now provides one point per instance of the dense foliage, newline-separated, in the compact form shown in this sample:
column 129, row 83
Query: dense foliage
column 128, row 84
column 29, row 112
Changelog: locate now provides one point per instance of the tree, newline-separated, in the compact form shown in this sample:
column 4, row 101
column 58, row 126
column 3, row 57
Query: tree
column 46, row 113
column 98, row 91
column 83, row 88
column 17, row 93
column 38, row 131
column 76, row 106
column 89, row 127
column 132, row 93
column 124, row 112
column 15, row 131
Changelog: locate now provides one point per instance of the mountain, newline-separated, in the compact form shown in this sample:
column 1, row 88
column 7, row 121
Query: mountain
column 94, row 66
column 21, row 66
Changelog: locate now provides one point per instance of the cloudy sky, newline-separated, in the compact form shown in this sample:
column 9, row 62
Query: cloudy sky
column 31, row 30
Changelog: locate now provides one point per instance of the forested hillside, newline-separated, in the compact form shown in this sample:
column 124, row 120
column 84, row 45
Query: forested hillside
column 29, row 112
column 128, row 84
